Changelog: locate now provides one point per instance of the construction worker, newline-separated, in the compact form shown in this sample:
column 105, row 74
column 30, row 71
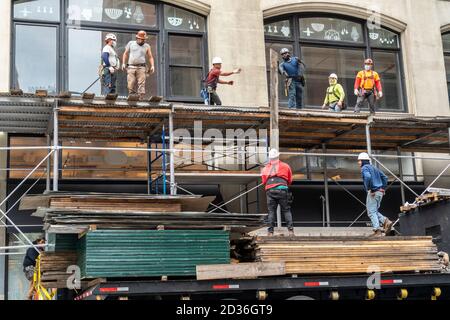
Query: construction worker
column 367, row 87
column 213, row 78
column 29, row 264
column 335, row 95
column 294, row 71
column 375, row 183
column 277, row 177
column 135, row 63
column 111, row 64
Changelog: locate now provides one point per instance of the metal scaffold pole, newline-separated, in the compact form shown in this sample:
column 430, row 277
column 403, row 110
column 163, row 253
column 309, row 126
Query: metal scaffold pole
column 325, row 181
column 48, row 168
column 400, row 170
column 173, row 187
column 55, row 146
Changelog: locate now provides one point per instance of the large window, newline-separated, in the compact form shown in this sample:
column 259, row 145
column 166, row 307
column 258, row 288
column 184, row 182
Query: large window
column 338, row 45
column 446, row 43
column 67, row 38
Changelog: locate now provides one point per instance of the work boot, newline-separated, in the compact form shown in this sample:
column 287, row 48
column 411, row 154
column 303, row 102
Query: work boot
column 377, row 233
column 357, row 110
column 387, row 226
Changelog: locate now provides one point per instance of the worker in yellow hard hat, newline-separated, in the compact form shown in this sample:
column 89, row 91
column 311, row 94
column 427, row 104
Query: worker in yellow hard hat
column 335, row 95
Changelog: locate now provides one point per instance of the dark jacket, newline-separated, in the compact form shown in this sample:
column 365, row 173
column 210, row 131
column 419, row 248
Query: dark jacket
column 30, row 257
column 374, row 179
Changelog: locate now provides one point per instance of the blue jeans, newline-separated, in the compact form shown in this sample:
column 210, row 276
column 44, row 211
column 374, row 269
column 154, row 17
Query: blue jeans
column 109, row 82
column 373, row 204
column 334, row 107
column 295, row 95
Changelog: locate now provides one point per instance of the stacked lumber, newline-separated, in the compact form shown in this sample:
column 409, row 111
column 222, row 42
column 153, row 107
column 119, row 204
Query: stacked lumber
column 432, row 196
column 120, row 202
column 331, row 255
column 116, row 204
column 54, row 268
column 78, row 221
column 131, row 253
column 240, row 270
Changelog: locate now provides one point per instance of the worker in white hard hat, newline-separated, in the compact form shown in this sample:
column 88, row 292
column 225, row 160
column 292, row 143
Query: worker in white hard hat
column 375, row 183
column 110, row 64
column 277, row 177
column 213, row 79
column 293, row 69
column 335, row 95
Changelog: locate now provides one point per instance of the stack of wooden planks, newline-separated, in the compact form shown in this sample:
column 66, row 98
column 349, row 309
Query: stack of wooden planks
column 434, row 195
column 54, row 268
column 345, row 255
column 67, row 213
column 79, row 221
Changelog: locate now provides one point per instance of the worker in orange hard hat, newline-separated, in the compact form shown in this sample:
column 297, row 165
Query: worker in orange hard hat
column 135, row 63
column 367, row 87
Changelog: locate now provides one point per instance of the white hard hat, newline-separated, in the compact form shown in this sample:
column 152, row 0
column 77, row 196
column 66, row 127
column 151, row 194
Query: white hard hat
column 274, row 154
column 110, row 36
column 217, row 60
column 333, row 75
column 284, row 50
column 364, row 156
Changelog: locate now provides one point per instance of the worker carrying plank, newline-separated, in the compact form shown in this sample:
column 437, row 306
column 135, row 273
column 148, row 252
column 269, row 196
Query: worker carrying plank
column 277, row 177
column 375, row 183
column 135, row 63
column 335, row 95
column 367, row 87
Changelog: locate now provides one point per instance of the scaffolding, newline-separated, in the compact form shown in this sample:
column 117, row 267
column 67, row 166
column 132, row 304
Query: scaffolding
column 300, row 133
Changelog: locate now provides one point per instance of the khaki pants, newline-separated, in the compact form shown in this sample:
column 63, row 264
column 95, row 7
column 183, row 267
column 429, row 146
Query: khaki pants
column 136, row 78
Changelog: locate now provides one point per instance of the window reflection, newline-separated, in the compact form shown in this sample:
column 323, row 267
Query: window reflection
column 112, row 11
column 383, row 38
column 46, row 10
column 320, row 62
column 330, row 29
column 386, row 64
column 179, row 19
column 22, row 162
column 35, row 69
column 278, row 29
column 84, row 61
column 104, row 164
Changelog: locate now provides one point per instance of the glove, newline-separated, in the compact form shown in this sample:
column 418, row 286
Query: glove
column 380, row 94
column 231, row 83
column 111, row 69
column 356, row 92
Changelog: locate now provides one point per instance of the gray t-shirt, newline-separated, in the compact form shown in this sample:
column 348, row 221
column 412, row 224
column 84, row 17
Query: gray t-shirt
column 137, row 52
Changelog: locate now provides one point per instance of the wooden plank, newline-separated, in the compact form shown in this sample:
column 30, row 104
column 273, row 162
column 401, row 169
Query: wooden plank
column 240, row 271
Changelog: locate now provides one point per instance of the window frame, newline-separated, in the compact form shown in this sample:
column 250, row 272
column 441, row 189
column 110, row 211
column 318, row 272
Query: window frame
column 446, row 54
column 298, row 43
column 162, row 64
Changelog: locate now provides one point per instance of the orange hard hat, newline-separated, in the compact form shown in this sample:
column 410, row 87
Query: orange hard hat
column 142, row 35
column 368, row 61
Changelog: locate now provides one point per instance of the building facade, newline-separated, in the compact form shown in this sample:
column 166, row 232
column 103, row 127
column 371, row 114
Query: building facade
column 55, row 45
